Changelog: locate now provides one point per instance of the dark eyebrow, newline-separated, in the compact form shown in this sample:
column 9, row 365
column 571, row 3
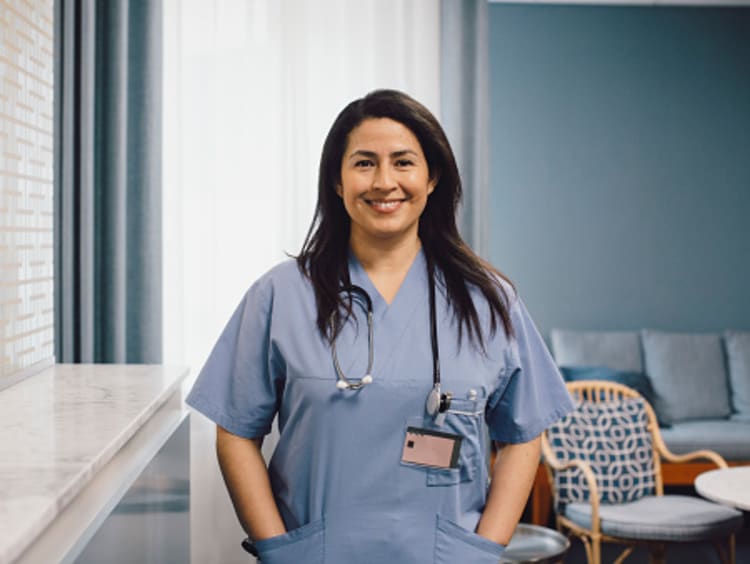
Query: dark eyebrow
column 363, row 153
column 397, row 154
column 373, row 155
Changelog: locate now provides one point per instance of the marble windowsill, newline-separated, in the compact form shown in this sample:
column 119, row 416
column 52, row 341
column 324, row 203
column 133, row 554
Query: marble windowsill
column 59, row 428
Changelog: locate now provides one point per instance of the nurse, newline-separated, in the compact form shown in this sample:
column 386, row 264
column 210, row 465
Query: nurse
column 390, row 353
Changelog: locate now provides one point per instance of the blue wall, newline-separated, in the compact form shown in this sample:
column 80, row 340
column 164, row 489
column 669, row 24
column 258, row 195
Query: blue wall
column 620, row 164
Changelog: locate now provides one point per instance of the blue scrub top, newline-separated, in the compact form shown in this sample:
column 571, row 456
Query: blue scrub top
column 337, row 476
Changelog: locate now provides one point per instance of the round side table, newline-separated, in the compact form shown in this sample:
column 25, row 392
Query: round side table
column 730, row 486
column 532, row 544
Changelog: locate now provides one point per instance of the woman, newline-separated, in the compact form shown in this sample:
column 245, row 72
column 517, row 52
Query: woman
column 383, row 418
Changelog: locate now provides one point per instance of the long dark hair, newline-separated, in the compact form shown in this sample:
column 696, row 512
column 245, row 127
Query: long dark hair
column 324, row 256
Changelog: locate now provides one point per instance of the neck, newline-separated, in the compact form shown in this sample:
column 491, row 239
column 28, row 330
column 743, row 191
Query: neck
column 380, row 255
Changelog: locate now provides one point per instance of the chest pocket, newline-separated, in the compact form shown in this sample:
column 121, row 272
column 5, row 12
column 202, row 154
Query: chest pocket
column 468, row 425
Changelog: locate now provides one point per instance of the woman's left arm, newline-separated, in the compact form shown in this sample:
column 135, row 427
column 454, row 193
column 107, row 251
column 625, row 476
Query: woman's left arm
column 511, row 481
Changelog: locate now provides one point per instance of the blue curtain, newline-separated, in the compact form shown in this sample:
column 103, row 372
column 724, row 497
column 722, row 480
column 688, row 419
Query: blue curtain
column 464, row 94
column 108, row 181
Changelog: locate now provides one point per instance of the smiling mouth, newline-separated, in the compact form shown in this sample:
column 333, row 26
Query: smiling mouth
column 385, row 205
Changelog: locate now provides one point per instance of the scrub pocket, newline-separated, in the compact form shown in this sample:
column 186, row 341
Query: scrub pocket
column 456, row 544
column 466, row 426
column 305, row 544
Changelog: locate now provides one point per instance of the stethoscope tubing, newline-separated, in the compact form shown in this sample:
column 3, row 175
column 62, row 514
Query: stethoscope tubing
column 353, row 290
column 433, row 329
column 362, row 294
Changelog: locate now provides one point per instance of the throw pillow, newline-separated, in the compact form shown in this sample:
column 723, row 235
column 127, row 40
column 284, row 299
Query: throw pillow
column 613, row 438
column 636, row 380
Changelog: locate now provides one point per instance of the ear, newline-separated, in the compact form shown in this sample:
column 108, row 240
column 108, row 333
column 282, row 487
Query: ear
column 339, row 190
column 431, row 184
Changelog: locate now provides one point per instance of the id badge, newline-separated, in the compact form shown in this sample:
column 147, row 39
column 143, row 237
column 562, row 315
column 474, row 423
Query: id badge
column 434, row 449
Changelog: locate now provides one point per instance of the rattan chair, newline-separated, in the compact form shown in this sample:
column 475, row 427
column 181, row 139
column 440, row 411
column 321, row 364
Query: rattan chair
column 604, row 466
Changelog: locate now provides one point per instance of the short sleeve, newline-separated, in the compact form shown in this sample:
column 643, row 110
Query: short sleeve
column 532, row 395
column 238, row 387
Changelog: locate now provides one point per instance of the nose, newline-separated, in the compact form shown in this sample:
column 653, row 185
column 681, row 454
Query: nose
column 384, row 179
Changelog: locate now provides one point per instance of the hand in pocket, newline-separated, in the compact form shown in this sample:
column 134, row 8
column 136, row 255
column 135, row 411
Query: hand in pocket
column 305, row 544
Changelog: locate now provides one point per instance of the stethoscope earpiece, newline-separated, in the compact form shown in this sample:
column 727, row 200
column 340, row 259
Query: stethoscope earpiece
column 348, row 385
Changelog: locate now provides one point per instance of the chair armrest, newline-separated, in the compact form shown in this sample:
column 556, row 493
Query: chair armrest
column 709, row 455
column 661, row 447
column 669, row 456
column 556, row 466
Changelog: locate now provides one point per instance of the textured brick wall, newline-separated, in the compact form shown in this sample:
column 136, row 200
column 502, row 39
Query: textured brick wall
column 26, row 207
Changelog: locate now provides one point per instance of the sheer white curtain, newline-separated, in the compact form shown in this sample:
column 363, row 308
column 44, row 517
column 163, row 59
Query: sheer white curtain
column 251, row 88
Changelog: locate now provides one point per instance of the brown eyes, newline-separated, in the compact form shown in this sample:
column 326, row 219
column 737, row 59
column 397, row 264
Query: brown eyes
column 400, row 163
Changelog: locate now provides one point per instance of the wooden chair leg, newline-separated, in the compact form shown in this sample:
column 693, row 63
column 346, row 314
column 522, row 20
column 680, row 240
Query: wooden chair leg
column 729, row 556
column 723, row 556
column 623, row 555
column 658, row 554
column 587, row 548
column 596, row 549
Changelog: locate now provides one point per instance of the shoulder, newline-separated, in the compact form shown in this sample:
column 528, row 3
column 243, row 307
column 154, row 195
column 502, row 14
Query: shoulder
column 505, row 289
column 515, row 307
column 282, row 279
column 286, row 272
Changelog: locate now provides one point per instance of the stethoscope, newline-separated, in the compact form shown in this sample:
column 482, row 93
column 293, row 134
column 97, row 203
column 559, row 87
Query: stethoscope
column 437, row 404
column 359, row 295
column 437, row 401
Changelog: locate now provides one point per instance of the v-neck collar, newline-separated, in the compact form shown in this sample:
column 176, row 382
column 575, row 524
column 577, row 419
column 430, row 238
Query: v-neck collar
column 412, row 287
column 392, row 322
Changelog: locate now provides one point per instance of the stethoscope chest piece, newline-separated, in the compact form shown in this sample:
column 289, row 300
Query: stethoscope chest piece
column 433, row 402
column 438, row 403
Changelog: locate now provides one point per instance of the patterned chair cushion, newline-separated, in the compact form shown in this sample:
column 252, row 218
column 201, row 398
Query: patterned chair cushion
column 613, row 438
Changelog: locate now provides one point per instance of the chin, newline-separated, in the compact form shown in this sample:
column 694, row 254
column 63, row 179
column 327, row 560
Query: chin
column 393, row 234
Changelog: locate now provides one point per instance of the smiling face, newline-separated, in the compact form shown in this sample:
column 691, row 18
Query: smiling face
column 385, row 181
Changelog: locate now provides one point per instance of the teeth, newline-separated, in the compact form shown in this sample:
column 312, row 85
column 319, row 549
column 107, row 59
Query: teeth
column 386, row 205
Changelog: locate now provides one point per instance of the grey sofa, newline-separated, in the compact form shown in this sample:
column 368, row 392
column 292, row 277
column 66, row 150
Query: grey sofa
column 698, row 384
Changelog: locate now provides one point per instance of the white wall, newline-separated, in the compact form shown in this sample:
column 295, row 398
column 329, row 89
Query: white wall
column 26, row 206
column 251, row 88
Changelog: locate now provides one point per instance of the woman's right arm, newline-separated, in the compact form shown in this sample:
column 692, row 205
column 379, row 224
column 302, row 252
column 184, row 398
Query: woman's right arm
column 246, row 477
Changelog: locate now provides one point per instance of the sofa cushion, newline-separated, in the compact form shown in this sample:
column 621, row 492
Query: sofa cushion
column 687, row 374
column 738, row 357
column 730, row 438
column 620, row 350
